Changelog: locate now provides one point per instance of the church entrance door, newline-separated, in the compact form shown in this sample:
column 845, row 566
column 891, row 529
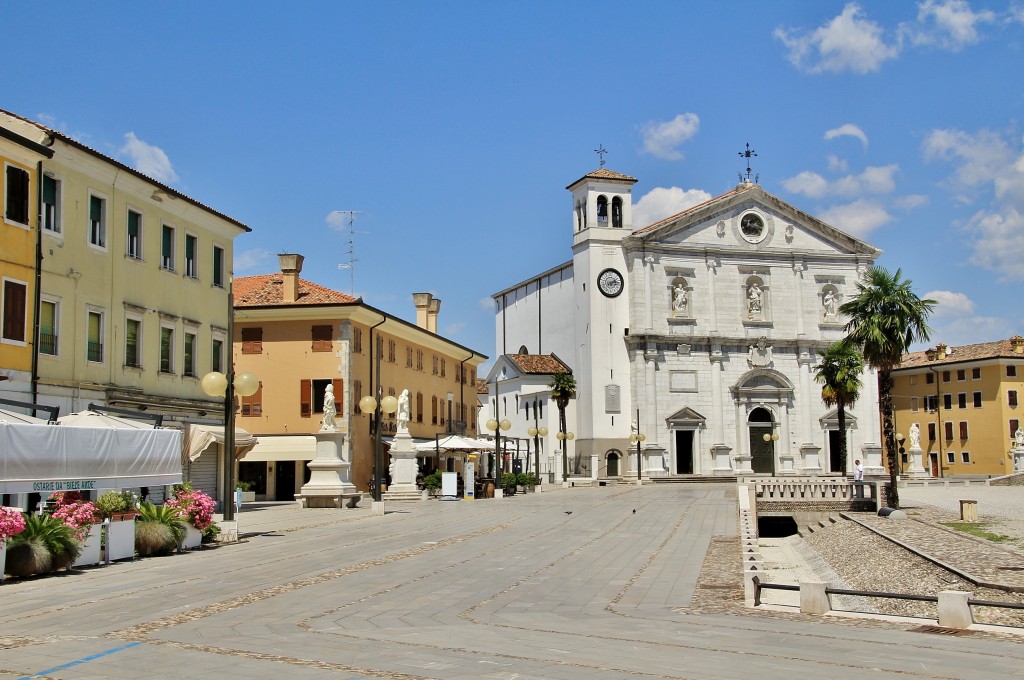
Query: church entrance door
column 835, row 465
column 684, row 452
column 762, row 453
column 613, row 464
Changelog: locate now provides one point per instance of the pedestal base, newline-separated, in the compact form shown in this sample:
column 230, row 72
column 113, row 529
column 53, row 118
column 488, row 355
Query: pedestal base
column 811, row 462
column 916, row 469
column 329, row 485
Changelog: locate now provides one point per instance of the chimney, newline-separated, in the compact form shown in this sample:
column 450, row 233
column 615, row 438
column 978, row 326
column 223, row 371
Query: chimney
column 435, row 307
column 930, row 353
column 1017, row 343
column 291, row 265
column 422, row 303
column 941, row 350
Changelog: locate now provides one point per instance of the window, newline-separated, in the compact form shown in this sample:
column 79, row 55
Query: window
column 977, row 400
column 1014, row 424
column 433, row 410
column 945, row 376
column 16, row 195
column 132, row 339
column 191, row 246
column 419, row 407
column 51, row 203
column 392, row 346
column 444, row 362
column 357, row 393
column 963, row 429
column 948, row 427
column 961, row 400
column 947, row 401
column 166, row 349
column 435, row 364
column 217, row 355
column 167, row 248
column 915, row 404
column 97, row 221
column 252, row 341
column 913, row 380
column 253, row 405
column 218, row 266
column 419, row 360
column 931, row 432
column 311, row 396
column 965, row 457
column 134, row 235
column 188, row 361
column 94, row 339
column 929, row 378
column 408, row 357
column 357, row 340
column 1011, row 398
column 14, row 311
column 950, row 457
column 1011, row 371
column 975, row 374
column 322, row 338
column 48, row 319
column 961, row 374
column 931, row 403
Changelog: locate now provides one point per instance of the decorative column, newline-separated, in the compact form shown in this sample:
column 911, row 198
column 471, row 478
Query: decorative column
column 810, row 461
column 720, row 453
column 712, row 265
column 649, row 285
column 743, row 457
column 786, row 438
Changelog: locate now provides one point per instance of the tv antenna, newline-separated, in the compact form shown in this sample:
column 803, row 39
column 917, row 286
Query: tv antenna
column 350, row 265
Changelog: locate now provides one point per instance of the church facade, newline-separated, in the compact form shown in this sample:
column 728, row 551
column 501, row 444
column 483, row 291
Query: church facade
column 699, row 332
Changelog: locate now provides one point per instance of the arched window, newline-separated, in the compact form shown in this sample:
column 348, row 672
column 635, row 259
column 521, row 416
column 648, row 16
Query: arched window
column 617, row 212
column 602, row 210
column 579, row 216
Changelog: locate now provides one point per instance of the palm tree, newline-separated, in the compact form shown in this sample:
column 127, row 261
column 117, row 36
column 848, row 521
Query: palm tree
column 563, row 388
column 839, row 374
column 886, row 317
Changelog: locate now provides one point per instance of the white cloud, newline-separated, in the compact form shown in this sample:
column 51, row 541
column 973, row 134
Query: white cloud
column 848, row 130
column 948, row 24
column 661, row 139
column 454, row 329
column 997, row 241
column 837, row 164
column 849, row 42
column 859, row 218
column 661, row 202
column 910, row 201
column 873, row 180
column 486, row 303
column 950, row 303
column 252, row 261
column 970, row 330
column 148, row 159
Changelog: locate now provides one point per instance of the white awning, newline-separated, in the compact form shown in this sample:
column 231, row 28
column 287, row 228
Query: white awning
column 199, row 438
column 282, row 448
column 47, row 458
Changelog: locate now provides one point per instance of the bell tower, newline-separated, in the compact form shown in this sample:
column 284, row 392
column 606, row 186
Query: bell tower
column 602, row 215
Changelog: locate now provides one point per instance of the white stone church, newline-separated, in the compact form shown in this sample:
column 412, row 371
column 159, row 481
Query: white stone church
column 699, row 332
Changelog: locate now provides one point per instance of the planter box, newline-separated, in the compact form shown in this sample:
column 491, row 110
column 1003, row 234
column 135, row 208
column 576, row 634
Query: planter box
column 248, row 496
column 120, row 541
column 91, row 550
column 193, row 538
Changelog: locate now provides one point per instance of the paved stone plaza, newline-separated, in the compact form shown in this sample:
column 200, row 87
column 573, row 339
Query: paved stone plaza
column 562, row 584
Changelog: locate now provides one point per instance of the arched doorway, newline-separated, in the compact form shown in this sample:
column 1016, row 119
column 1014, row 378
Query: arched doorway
column 613, row 464
column 762, row 453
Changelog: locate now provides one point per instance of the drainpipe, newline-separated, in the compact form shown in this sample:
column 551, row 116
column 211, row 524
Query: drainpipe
column 378, row 469
column 37, row 298
column 938, row 415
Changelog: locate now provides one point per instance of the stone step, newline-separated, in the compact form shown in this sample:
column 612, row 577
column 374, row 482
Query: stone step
column 695, row 479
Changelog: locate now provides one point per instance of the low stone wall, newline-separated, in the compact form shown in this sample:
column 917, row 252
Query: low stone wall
column 791, row 506
column 1008, row 480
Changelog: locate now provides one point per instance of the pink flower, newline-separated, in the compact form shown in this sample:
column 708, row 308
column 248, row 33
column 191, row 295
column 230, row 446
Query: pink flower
column 197, row 506
column 12, row 522
column 78, row 516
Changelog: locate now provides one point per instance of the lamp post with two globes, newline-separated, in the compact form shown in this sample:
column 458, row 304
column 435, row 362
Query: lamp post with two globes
column 537, row 433
column 565, row 437
column 377, row 406
column 496, row 427
column 216, row 384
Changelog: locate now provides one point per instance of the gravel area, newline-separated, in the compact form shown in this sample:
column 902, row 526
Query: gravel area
column 865, row 561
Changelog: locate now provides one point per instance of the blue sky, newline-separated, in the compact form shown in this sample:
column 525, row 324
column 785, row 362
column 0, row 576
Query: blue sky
column 455, row 127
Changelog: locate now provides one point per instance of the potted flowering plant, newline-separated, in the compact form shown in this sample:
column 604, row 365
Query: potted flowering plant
column 80, row 517
column 112, row 505
column 196, row 508
column 12, row 523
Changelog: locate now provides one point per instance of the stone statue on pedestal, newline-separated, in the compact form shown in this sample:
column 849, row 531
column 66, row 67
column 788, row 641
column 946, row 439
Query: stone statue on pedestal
column 403, row 411
column 915, row 436
column 327, row 424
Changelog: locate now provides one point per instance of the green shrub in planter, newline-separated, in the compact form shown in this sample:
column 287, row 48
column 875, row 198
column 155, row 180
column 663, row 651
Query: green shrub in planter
column 159, row 530
column 110, row 503
column 432, row 482
column 45, row 545
column 526, row 479
column 508, row 482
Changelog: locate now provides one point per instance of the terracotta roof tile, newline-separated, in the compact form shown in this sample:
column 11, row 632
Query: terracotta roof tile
column 481, row 386
column 964, row 353
column 265, row 290
column 539, row 363
column 603, row 173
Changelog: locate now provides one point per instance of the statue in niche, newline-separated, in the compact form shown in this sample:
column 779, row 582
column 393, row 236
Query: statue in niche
column 679, row 300
column 1018, row 438
column 403, row 411
column 915, row 436
column 327, row 424
column 829, row 303
column 754, row 308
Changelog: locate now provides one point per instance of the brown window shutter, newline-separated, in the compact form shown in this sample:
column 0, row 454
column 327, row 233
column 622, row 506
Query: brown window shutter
column 339, row 395
column 305, row 398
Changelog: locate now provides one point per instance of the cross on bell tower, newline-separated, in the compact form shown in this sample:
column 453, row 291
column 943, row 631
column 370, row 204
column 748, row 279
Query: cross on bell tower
column 748, row 154
column 601, row 151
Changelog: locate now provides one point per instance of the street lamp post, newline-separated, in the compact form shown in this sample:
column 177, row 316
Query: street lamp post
column 637, row 438
column 216, row 384
column 903, row 451
column 772, row 438
column 496, row 427
column 377, row 407
column 565, row 437
column 537, row 433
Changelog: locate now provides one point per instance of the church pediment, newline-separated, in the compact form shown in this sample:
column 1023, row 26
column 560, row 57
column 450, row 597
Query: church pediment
column 830, row 421
column 749, row 218
column 686, row 416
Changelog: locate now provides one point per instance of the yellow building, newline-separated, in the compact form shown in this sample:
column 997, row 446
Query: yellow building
column 133, row 295
column 22, row 159
column 967, row 403
column 297, row 338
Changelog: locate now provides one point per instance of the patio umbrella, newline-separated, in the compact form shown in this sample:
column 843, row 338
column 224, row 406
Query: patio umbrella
column 97, row 419
column 11, row 417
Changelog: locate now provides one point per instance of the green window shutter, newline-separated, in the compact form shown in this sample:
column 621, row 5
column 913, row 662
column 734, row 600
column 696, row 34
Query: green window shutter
column 49, row 190
column 168, row 241
column 95, row 208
